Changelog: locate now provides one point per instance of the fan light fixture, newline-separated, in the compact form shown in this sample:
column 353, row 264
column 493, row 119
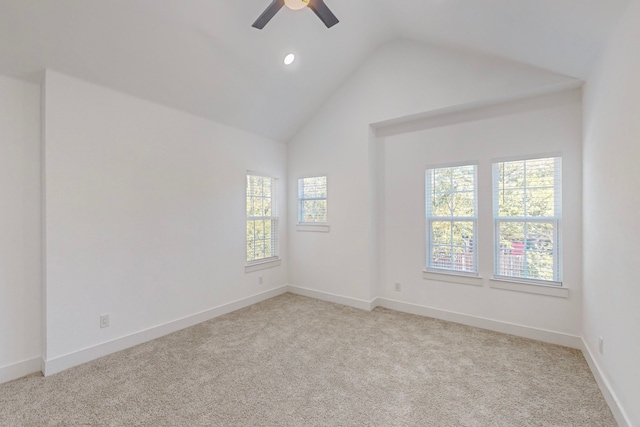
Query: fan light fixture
column 296, row 4
column 317, row 6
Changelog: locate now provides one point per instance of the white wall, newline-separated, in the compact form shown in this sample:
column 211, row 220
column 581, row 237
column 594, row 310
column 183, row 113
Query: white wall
column 611, row 205
column 539, row 125
column 145, row 214
column 400, row 79
column 20, row 234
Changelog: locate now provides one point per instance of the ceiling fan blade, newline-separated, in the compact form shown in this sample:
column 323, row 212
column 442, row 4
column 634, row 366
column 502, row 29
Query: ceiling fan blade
column 268, row 13
column 323, row 12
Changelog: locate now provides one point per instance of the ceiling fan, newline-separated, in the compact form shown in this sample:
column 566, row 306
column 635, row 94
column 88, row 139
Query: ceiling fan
column 318, row 6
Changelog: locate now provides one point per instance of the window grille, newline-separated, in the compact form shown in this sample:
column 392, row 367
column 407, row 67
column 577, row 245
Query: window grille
column 262, row 219
column 451, row 212
column 527, row 206
column 312, row 200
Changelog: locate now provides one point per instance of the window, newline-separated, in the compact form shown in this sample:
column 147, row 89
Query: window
column 527, row 202
column 312, row 200
column 451, row 209
column 262, row 219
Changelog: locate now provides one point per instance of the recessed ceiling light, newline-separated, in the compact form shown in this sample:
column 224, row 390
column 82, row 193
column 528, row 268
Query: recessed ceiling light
column 288, row 60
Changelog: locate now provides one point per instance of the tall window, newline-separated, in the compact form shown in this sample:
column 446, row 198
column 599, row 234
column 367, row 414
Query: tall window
column 312, row 200
column 451, row 209
column 262, row 219
column 527, row 206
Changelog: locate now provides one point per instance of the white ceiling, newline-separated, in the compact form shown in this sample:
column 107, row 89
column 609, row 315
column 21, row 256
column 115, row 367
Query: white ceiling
column 204, row 57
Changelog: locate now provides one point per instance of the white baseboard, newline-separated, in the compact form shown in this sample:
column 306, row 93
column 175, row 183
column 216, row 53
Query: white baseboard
column 329, row 297
column 58, row 364
column 612, row 400
column 19, row 369
column 552, row 337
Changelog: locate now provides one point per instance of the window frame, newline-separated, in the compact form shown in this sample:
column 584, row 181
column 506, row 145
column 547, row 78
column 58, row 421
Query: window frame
column 556, row 221
column 274, row 218
column 430, row 268
column 301, row 201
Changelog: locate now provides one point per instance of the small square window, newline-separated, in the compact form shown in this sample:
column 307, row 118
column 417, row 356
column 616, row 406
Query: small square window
column 312, row 200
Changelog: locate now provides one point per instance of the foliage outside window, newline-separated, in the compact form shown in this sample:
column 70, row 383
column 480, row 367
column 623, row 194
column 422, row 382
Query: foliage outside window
column 262, row 219
column 451, row 211
column 527, row 213
column 312, row 200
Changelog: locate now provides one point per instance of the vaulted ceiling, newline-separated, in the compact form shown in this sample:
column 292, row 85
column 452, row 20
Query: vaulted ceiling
column 203, row 56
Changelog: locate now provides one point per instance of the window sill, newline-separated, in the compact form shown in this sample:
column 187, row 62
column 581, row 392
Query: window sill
column 317, row 228
column 531, row 288
column 262, row 265
column 453, row 277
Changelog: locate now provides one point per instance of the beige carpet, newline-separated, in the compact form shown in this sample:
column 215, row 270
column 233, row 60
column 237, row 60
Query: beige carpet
column 295, row 361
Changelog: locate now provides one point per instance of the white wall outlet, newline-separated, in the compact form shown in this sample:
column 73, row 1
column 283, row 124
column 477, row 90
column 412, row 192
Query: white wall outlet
column 601, row 345
column 104, row 321
column 260, row 280
column 397, row 287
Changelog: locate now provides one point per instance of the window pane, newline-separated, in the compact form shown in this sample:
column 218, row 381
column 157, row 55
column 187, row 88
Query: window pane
column 441, row 232
column 540, row 202
column 269, row 249
column 512, row 235
column 540, row 236
column 251, row 230
column 320, row 207
column 261, row 234
column 528, row 191
column 249, row 206
column 442, row 257
column 539, row 265
column 441, row 180
column 511, row 203
column 451, row 192
column 463, row 204
column 511, row 175
column 441, row 204
column 250, row 251
column 266, row 207
column 314, row 187
column 511, row 250
column 266, row 187
column 312, row 196
column 308, row 211
column 527, row 250
column 260, row 249
column 256, row 185
column 540, row 172
column 462, row 233
column 463, row 178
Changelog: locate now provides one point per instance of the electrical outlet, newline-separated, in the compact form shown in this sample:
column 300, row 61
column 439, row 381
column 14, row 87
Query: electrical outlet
column 104, row 321
column 260, row 281
column 601, row 345
column 397, row 287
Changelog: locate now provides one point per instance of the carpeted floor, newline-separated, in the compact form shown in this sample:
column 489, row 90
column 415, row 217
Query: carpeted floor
column 296, row 361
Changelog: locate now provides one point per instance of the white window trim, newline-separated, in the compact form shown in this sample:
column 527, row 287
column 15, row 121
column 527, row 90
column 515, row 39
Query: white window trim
column 453, row 276
column 262, row 264
column 530, row 287
column 314, row 227
column 323, row 227
column 524, row 284
column 274, row 261
column 429, row 269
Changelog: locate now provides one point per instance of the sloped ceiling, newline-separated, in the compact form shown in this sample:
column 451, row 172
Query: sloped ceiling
column 202, row 56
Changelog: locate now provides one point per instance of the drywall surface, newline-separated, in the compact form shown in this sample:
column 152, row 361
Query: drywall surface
column 611, row 204
column 145, row 214
column 400, row 79
column 20, row 234
column 544, row 125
